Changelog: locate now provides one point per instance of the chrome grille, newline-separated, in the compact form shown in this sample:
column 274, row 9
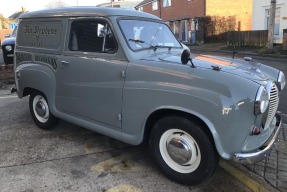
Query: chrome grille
column 273, row 105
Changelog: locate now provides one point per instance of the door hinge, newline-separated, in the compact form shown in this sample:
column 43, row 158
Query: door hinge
column 123, row 74
column 119, row 117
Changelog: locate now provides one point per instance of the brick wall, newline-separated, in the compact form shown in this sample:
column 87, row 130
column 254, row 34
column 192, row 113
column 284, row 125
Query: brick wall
column 242, row 9
column 7, row 73
column 180, row 10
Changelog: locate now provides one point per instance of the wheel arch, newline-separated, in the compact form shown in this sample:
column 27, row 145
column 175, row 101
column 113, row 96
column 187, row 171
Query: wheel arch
column 36, row 77
column 199, row 119
column 28, row 90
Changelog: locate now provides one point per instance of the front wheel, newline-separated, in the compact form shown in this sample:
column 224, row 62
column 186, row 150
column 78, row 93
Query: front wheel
column 40, row 111
column 182, row 150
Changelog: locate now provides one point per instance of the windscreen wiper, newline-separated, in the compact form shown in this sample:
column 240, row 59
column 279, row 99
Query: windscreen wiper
column 137, row 40
column 160, row 46
column 141, row 41
column 154, row 47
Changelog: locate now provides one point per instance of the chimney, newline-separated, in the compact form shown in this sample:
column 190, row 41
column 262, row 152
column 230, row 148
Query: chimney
column 23, row 9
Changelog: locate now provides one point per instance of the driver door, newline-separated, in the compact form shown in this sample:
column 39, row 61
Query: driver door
column 89, row 81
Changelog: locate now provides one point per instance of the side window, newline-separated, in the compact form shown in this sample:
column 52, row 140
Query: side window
column 92, row 36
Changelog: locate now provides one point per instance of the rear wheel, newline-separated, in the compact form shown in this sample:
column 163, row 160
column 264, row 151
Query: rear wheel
column 182, row 150
column 40, row 111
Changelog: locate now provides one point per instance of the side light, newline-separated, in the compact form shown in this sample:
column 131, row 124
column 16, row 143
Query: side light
column 281, row 81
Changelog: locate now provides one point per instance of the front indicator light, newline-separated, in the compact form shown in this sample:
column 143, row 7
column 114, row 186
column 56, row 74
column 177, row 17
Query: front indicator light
column 256, row 131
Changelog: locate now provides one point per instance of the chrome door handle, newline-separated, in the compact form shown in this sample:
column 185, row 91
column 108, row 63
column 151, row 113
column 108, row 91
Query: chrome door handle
column 64, row 63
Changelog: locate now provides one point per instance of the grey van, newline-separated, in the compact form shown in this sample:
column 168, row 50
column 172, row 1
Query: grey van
column 124, row 74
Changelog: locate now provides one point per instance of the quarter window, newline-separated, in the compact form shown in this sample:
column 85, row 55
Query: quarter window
column 92, row 36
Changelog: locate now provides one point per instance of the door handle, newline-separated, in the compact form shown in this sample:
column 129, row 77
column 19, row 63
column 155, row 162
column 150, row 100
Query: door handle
column 64, row 63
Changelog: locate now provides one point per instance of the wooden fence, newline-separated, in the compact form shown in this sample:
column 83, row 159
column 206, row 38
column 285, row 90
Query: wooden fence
column 247, row 38
column 3, row 32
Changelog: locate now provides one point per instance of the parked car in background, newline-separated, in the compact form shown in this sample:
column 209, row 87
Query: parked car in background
column 124, row 74
column 8, row 46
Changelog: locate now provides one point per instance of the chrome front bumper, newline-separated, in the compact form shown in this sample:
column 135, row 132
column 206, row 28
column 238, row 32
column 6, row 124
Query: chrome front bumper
column 264, row 151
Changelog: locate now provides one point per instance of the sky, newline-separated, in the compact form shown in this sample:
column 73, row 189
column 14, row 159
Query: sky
column 8, row 7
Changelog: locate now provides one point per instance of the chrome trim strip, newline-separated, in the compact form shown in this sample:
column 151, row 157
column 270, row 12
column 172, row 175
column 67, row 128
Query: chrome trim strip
column 258, row 156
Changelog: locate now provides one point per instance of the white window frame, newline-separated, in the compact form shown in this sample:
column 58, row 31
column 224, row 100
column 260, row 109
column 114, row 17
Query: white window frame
column 166, row 3
column 155, row 5
column 140, row 8
column 277, row 20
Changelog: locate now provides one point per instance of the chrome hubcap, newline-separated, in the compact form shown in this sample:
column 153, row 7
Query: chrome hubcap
column 179, row 150
column 40, row 109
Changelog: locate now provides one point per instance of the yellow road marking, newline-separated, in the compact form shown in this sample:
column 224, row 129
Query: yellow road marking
column 102, row 144
column 243, row 178
column 124, row 188
column 131, row 161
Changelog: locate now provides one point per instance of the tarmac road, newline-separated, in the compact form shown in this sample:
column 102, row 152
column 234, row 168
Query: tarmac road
column 71, row 158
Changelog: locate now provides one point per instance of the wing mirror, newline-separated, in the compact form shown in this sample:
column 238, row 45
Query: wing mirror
column 102, row 30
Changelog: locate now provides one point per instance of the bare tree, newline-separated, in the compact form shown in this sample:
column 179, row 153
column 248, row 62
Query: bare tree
column 271, row 23
column 56, row 3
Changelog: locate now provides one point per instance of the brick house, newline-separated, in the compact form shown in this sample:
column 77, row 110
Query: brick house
column 181, row 14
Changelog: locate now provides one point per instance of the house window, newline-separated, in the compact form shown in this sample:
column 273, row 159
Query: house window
column 183, row 30
column 154, row 5
column 166, row 3
column 140, row 8
column 175, row 29
column 277, row 20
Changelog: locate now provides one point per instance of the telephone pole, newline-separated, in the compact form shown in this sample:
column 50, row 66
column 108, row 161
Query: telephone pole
column 271, row 23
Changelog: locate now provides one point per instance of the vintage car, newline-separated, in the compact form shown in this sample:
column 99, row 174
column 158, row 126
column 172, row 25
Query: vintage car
column 124, row 74
column 8, row 47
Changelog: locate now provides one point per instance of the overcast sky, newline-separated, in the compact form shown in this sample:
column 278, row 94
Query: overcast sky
column 8, row 7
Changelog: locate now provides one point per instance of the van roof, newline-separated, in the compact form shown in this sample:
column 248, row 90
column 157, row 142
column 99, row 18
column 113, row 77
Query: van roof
column 86, row 11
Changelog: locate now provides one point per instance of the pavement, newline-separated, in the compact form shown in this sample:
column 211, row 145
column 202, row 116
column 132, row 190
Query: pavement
column 247, row 51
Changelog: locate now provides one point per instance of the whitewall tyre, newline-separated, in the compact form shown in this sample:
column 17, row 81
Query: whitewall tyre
column 40, row 111
column 182, row 150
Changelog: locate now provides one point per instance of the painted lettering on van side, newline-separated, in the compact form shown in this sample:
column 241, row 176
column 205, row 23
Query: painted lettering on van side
column 52, row 61
column 23, row 57
column 37, row 31
column 40, row 34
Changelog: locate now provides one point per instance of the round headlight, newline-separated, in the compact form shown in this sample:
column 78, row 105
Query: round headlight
column 261, row 101
column 8, row 48
column 281, row 80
